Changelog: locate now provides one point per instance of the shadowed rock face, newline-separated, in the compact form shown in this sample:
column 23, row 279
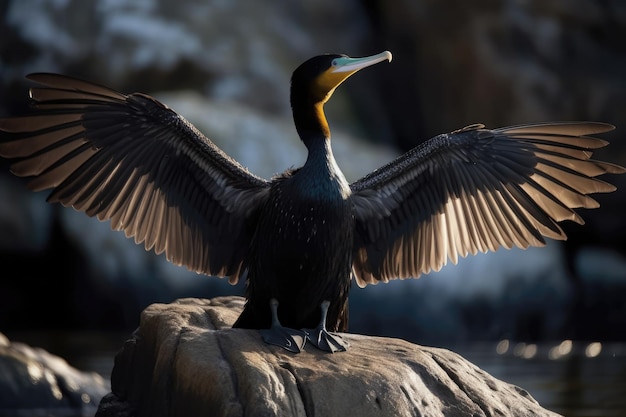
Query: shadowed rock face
column 34, row 382
column 184, row 359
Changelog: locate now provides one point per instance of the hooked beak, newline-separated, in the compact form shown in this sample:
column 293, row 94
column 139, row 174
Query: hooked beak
column 351, row 65
column 343, row 67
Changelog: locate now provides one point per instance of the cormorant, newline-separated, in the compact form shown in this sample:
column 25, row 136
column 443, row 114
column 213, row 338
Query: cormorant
column 300, row 237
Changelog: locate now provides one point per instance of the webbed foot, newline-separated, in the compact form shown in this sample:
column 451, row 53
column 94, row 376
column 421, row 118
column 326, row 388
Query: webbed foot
column 292, row 340
column 324, row 339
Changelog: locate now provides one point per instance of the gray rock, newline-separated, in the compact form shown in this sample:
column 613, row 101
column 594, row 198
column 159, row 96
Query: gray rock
column 184, row 359
column 34, row 382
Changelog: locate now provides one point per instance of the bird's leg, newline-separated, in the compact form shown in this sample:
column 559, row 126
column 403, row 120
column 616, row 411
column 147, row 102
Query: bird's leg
column 291, row 339
column 323, row 339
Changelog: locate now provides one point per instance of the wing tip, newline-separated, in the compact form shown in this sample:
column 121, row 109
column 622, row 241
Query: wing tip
column 571, row 128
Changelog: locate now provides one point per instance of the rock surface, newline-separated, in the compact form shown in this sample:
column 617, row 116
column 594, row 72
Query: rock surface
column 34, row 382
column 184, row 359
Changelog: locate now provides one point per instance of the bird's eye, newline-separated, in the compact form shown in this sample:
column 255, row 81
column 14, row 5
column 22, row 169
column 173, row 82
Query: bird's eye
column 334, row 62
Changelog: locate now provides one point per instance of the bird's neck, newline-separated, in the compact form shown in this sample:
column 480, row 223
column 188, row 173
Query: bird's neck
column 313, row 129
column 324, row 177
column 311, row 123
column 320, row 156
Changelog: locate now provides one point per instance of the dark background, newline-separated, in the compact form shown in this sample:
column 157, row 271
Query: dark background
column 226, row 67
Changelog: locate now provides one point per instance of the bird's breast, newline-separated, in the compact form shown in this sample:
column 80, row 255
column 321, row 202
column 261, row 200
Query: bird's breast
column 308, row 215
column 301, row 252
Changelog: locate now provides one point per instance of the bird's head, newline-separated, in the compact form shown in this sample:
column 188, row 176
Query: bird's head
column 317, row 78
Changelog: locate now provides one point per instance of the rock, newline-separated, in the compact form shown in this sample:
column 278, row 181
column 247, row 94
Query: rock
column 34, row 382
column 185, row 359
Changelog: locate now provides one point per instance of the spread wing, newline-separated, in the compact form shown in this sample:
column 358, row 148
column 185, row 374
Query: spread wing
column 131, row 160
column 474, row 190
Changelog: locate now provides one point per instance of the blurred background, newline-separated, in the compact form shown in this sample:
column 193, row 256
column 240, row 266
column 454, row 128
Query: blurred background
column 226, row 66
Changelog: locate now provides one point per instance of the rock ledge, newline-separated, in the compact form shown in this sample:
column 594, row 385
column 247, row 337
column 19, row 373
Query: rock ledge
column 184, row 359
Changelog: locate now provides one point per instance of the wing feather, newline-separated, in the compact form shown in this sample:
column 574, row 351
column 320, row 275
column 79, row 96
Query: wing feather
column 131, row 160
column 474, row 190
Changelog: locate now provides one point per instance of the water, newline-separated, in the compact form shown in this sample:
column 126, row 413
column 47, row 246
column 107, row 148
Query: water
column 574, row 379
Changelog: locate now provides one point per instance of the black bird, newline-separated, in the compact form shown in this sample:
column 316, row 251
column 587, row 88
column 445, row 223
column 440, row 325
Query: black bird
column 299, row 238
